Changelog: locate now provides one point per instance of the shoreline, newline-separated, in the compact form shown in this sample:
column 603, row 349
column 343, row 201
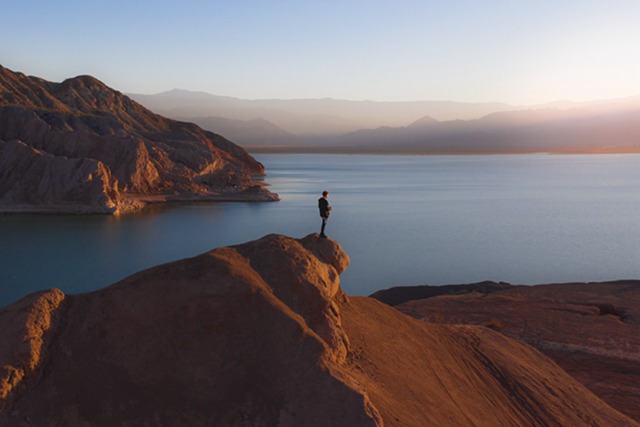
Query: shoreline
column 131, row 203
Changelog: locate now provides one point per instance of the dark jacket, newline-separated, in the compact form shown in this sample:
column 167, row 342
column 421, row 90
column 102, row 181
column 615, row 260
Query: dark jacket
column 324, row 207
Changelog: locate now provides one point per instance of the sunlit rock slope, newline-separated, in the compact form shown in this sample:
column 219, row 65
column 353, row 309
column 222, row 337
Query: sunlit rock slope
column 261, row 334
column 592, row 330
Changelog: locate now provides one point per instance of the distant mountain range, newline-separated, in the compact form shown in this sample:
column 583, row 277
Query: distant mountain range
column 312, row 116
column 526, row 131
column 329, row 125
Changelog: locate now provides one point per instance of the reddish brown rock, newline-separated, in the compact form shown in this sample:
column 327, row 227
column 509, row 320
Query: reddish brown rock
column 25, row 327
column 592, row 330
column 148, row 156
column 57, row 184
column 261, row 334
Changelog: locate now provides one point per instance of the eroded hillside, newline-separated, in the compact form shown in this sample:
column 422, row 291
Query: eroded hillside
column 82, row 147
column 262, row 334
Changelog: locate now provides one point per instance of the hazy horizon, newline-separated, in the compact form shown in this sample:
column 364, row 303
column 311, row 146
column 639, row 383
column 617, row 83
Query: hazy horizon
column 177, row 90
column 418, row 126
column 518, row 54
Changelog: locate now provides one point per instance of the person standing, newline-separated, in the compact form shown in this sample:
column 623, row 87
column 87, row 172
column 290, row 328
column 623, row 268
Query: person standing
column 323, row 205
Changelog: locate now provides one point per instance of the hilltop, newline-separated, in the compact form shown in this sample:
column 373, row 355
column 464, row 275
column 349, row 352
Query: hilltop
column 82, row 147
column 262, row 334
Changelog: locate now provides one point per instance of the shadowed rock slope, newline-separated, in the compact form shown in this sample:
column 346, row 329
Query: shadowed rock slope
column 592, row 330
column 82, row 147
column 261, row 334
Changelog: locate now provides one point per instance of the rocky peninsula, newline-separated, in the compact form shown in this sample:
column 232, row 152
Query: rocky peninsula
column 82, row 147
column 261, row 334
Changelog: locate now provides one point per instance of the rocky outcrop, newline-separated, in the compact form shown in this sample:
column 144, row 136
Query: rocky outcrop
column 26, row 326
column 592, row 330
column 262, row 334
column 57, row 184
column 145, row 154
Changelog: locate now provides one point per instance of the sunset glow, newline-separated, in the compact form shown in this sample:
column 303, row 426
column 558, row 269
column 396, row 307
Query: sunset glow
column 514, row 52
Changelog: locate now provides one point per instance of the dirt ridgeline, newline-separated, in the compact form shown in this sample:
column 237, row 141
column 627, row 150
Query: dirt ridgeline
column 262, row 334
column 592, row 330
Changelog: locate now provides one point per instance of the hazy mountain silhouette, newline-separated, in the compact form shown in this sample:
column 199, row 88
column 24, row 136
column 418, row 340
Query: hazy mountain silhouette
column 329, row 125
column 247, row 132
column 526, row 131
column 313, row 116
column 300, row 117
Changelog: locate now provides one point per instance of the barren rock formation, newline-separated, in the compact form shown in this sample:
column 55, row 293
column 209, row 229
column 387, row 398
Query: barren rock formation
column 142, row 153
column 24, row 330
column 592, row 330
column 72, row 185
column 261, row 334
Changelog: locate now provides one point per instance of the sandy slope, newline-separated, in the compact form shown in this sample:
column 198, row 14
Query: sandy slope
column 261, row 334
column 592, row 330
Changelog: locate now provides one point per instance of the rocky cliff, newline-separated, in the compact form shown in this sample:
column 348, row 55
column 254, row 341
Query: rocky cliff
column 119, row 154
column 261, row 334
column 592, row 330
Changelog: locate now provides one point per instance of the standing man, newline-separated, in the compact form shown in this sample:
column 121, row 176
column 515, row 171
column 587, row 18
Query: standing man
column 323, row 205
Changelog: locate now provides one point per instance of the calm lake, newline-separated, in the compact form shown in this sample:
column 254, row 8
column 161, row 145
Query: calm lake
column 403, row 220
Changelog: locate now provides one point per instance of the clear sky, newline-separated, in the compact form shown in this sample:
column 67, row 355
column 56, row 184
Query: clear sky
column 515, row 51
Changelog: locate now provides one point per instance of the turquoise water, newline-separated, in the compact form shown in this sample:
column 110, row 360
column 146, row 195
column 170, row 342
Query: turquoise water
column 403, row 220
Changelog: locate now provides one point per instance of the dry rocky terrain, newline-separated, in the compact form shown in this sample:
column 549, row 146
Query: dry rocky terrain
column 261, row 334
column 592, row 330
column 82, row 147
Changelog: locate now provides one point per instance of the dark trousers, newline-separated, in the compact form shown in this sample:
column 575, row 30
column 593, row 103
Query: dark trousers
column 324, row 223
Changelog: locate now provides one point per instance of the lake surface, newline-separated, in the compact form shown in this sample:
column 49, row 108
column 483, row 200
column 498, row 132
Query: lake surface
column 403, row 220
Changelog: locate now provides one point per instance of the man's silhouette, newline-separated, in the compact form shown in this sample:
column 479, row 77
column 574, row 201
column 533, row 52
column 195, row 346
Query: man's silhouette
column 323, row 205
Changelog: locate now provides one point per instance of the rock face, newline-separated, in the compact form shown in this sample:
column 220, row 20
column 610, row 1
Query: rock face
column 104, row 152
column 261, row 334
column 32, row 179
column 592, row 330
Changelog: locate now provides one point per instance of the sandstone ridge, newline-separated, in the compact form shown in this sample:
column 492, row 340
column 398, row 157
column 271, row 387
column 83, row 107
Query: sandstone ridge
column 592, row 330
column 261, row 334
column 82, row 147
